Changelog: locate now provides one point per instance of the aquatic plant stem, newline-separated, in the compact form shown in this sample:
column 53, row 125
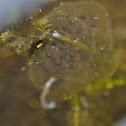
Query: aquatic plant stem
column 76, row 109
column 77, row 43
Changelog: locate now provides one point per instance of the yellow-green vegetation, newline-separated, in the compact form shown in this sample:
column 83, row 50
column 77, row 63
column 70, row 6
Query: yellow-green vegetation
column 15, row 39
column 94, row 91
column 18, row 41
column 112, row 82
column 105, row 84
column 76, row 109
column 13, row 33
column 18, row 31
column 43, row 25
column 6, row 36
column 76, row 43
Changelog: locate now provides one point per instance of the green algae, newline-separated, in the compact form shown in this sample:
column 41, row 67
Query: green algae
column 106, row 84
column 6, row 36
column 43, row 25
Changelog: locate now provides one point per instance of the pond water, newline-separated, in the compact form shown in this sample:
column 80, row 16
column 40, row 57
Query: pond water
column 81, row 46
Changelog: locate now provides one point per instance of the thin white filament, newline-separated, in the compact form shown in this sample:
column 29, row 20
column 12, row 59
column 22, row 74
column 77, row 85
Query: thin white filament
column 43, row 101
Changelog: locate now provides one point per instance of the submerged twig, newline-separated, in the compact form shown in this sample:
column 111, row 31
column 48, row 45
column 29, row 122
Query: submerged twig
column 77, row 43
column 43, row 101
column 76, row 109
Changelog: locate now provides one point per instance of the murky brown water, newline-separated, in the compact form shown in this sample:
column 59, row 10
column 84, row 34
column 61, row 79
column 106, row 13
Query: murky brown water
column 20, row 98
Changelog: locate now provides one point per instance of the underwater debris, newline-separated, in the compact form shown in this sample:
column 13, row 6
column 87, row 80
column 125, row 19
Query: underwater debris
column 56, row 34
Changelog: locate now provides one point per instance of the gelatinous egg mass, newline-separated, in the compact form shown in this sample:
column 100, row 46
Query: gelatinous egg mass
column 77, row 51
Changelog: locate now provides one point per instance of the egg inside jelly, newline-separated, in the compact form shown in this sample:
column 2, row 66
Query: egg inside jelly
column 80, row 50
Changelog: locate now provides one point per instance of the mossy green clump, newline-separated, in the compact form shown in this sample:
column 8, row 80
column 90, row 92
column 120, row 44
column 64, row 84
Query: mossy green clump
column 11, row 34
column 15, row 39
column 6, row 36
column 43, row 25
column 18, row 31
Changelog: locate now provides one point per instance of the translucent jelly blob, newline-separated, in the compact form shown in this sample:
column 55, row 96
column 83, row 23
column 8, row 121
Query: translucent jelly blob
column 77, row 51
